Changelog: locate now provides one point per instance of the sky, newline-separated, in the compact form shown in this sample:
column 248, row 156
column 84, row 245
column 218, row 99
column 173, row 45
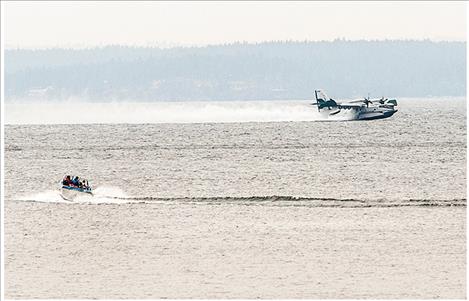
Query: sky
column 165, row 24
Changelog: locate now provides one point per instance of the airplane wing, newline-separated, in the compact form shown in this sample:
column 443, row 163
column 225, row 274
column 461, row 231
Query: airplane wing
column 355, row 100
column 350, row 105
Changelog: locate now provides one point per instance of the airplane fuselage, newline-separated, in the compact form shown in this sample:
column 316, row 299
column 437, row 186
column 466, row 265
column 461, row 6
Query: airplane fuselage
column 356, row 113
column 370, row 113
column 363, row 109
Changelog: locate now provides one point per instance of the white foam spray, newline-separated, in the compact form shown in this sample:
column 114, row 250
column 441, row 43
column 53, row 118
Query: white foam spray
column 101, row 195
column 166, row 112
column 48, row 196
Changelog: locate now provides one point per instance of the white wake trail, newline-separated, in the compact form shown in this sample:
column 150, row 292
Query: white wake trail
column 101, row 195
column 166, row 112
column 47, row 196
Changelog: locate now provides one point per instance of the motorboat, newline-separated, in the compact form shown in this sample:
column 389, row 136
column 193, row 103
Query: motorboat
column 73, row 187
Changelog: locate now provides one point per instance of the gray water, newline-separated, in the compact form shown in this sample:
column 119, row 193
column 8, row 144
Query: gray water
column 303, row 209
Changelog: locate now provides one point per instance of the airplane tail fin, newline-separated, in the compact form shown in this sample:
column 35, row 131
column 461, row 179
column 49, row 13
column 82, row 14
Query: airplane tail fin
column 323, row 101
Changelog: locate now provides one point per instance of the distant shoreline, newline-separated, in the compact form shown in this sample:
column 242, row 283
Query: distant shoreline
column 269, row 70
column 164, row 46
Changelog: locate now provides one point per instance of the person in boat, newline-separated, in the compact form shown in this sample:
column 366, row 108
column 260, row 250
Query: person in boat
column 80, row 183
column 84, row 184
column 76, row 182
column 66, row 181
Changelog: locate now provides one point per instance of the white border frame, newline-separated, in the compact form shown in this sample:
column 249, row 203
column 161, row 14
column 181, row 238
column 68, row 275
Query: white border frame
column 2, row 146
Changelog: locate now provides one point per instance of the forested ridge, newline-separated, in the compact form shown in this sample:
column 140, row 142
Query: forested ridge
column 239, row 71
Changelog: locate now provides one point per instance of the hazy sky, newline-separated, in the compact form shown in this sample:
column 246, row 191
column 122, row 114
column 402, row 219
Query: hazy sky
column 83, row 24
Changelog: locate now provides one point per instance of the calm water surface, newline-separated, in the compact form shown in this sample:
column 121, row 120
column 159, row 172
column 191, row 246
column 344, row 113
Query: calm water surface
column 371, row 209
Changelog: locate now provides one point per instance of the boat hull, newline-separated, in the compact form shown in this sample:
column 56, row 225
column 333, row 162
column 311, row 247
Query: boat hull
column 376, row 114
column 70, row 193
column 359, row 113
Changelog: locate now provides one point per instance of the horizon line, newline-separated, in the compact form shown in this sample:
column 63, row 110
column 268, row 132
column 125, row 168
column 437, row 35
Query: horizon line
column 169, row 45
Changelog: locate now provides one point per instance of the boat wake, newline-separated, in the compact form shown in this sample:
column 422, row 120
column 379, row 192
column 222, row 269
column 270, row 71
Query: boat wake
column 101, row 195
column 114, row 195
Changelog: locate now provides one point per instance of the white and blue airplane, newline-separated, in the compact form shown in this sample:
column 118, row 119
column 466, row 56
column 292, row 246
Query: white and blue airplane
column 362, row 109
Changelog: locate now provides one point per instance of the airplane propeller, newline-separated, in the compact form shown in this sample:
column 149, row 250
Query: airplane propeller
column 382, row 100
column 367, row 100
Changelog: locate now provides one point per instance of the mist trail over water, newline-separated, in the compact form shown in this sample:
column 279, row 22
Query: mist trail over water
column 165, row 112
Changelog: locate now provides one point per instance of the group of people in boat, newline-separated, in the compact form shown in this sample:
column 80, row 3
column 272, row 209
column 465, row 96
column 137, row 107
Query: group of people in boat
column 75, row 182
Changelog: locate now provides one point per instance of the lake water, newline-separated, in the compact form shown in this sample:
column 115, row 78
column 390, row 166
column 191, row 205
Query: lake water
column 261, row 202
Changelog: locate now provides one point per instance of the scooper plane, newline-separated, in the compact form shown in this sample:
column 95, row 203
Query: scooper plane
column 362, row 109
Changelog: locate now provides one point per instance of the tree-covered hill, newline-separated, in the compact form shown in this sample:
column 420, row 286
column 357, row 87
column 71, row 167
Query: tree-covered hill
column 273, row 70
